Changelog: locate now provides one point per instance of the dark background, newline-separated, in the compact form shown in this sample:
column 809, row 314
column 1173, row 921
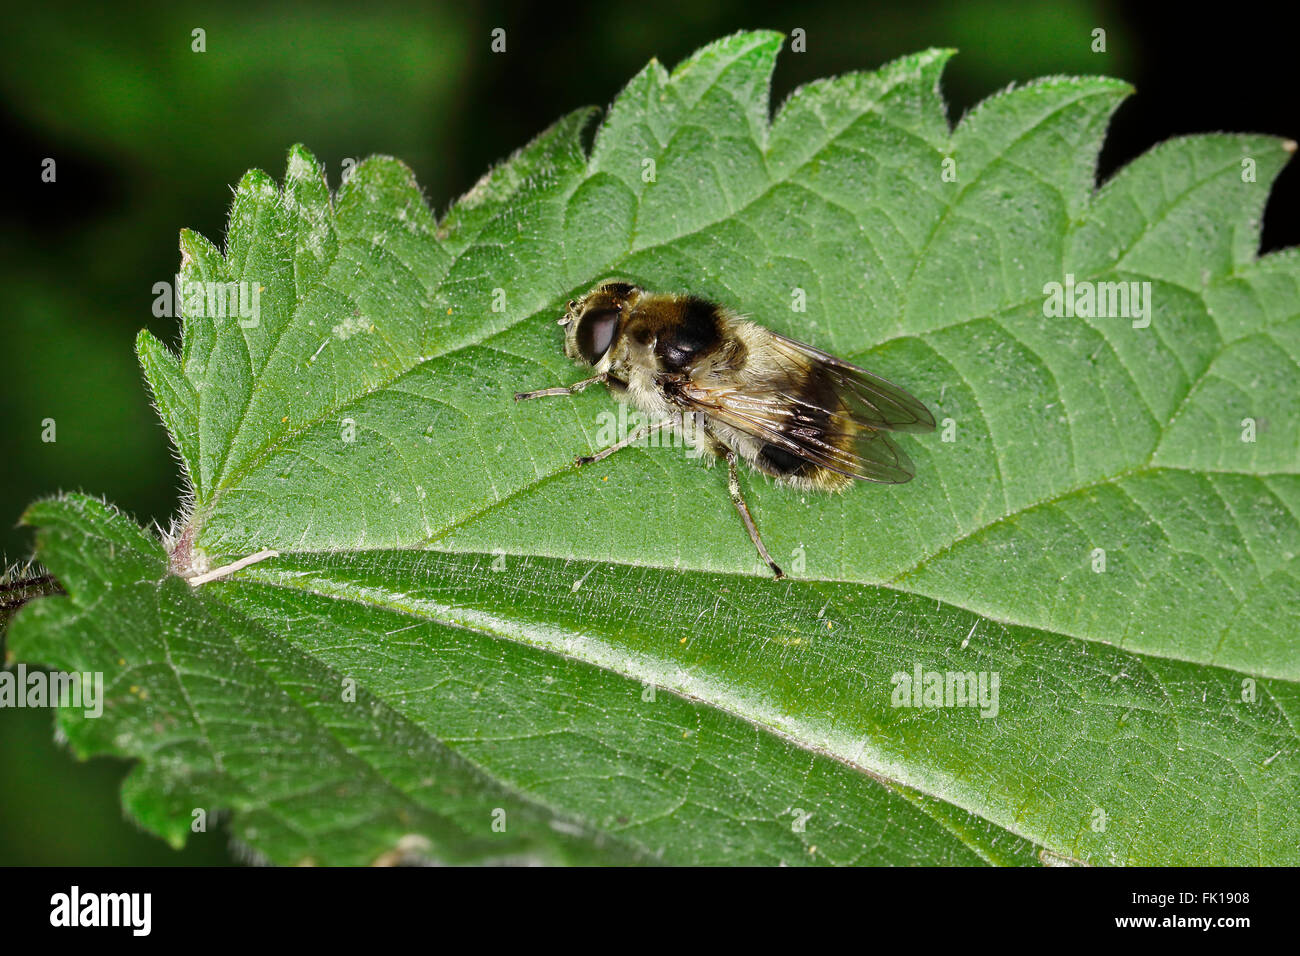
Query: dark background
column 149, row 137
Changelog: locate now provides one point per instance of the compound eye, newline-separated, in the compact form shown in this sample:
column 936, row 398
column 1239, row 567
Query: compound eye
column 596, row 334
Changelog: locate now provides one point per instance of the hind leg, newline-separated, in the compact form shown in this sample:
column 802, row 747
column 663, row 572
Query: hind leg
column 733, row 485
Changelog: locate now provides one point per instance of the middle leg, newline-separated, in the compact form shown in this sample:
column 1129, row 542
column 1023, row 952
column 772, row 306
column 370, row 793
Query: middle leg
column 636, row 435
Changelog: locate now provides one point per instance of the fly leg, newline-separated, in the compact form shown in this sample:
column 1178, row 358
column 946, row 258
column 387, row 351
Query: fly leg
column 733, row 485
column 635, row 436
column 573, row 389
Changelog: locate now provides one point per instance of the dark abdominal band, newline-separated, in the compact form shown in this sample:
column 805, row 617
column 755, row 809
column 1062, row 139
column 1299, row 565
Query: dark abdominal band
column 780, row 462
column 807, row 427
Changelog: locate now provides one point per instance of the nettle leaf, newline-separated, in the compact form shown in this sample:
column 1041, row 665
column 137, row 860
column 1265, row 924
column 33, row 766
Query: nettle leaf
column 467, row 649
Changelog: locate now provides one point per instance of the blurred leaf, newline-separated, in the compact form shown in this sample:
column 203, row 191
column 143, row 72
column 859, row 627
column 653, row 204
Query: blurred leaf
column 506, row 619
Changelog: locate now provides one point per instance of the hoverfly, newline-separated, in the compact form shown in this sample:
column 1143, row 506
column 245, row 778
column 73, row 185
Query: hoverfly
column 806, row 418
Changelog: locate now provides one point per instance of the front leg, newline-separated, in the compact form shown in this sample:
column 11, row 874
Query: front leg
column 573, row 389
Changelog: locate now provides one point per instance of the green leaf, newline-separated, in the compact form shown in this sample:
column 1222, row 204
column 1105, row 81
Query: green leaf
column 595, row 657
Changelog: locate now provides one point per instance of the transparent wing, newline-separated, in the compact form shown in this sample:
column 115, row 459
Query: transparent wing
column 832, row 438
column 874, row 402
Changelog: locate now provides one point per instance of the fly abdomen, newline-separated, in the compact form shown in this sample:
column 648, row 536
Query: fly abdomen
column 778, row 462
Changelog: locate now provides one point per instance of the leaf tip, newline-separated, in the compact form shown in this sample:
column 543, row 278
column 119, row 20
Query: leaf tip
column 302, row 165
column 258, row 186
column 146, row 343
